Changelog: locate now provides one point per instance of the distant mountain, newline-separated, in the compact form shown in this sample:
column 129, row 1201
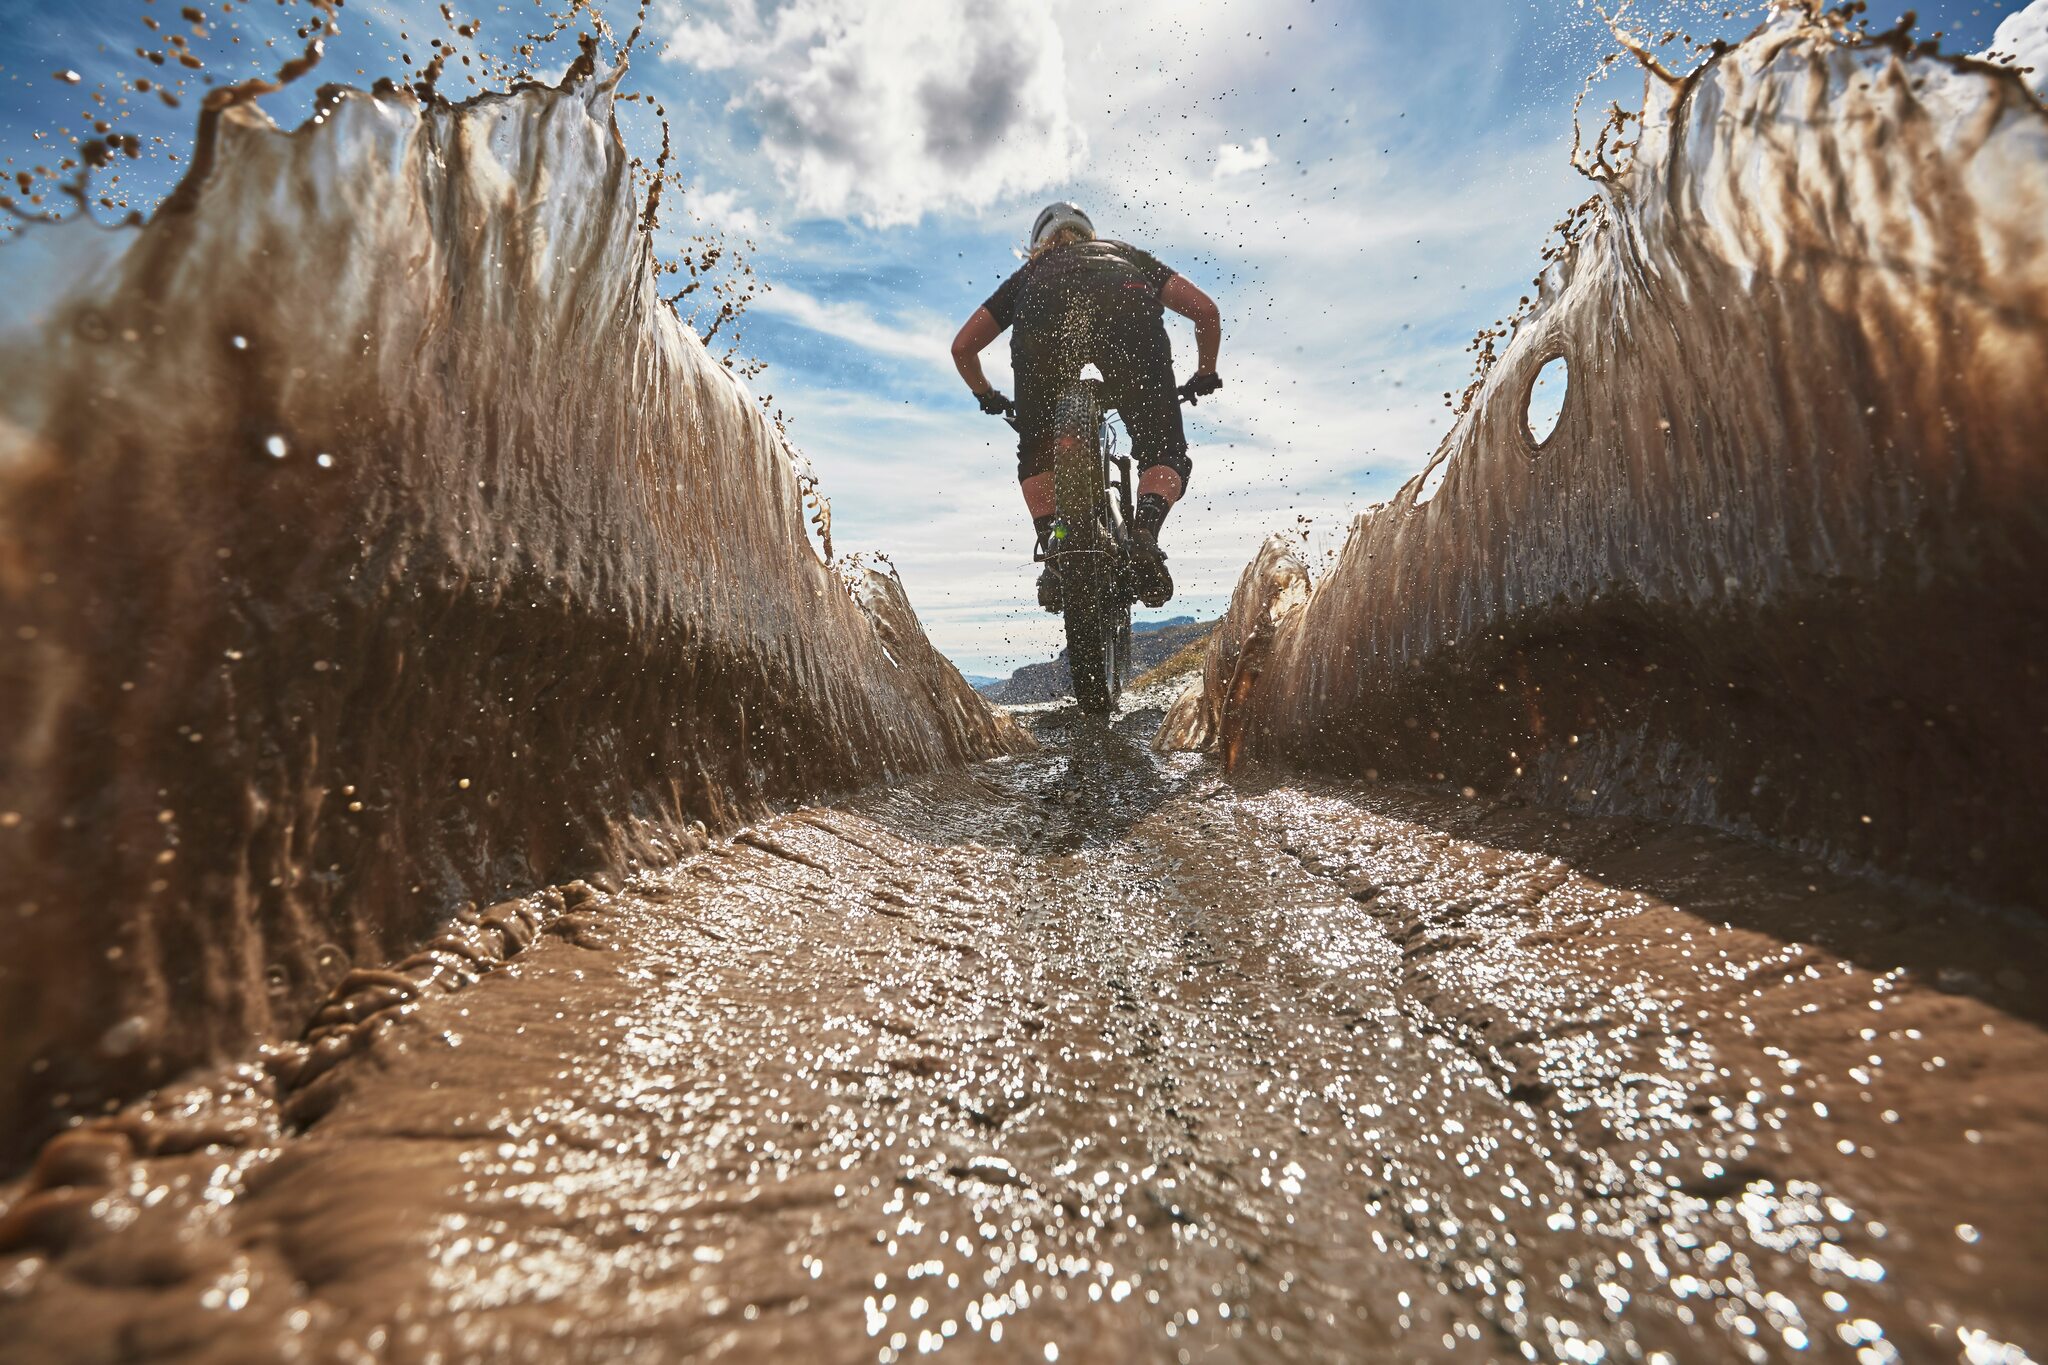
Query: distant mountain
column 1152, row 642
column 981, row 682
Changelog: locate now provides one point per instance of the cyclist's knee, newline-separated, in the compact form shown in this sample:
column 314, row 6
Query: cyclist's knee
column 1163, row 482
column 1175, row 460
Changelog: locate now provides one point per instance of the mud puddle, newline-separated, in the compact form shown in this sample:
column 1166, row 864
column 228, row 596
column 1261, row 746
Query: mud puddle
column 1091, row 1055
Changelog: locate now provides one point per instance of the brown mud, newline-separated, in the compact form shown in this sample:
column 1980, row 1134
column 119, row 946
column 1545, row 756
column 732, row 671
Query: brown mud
column 399, row 606
column 1783, row 565
column 377, row 543
column 1104, row 1056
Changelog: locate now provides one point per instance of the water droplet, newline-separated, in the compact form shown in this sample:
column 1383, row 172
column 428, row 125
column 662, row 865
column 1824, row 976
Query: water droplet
column 124, row 1037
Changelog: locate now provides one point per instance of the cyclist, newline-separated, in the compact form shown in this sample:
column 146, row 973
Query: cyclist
column 1078, row 300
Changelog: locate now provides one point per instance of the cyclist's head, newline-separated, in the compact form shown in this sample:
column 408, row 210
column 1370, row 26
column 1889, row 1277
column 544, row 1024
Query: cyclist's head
column 1058, row 223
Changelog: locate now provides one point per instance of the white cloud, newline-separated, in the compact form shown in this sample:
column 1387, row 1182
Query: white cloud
column 1234, row 159
column 716, row 44
column 890, row 112
column 916, row 336
column 724, row 210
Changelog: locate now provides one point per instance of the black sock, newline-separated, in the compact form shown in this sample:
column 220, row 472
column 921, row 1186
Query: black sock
column 1151, row 513
column 1043, row 527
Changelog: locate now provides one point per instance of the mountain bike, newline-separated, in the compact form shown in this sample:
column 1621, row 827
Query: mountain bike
column 1090, row 543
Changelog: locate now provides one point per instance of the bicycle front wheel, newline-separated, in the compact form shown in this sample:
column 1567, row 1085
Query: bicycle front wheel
column 1097, row 634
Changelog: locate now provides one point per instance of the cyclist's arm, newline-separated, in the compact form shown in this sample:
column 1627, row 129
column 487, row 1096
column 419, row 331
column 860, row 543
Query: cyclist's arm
column 1191, row 303
column 974, row 338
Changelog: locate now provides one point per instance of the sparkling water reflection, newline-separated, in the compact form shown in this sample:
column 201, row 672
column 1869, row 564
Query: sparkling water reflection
column 1092, row 1056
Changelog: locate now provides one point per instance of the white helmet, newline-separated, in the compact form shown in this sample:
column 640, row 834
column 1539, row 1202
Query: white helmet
column 1053, row 217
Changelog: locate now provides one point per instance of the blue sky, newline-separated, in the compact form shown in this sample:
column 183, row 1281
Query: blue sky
column 1360, row 185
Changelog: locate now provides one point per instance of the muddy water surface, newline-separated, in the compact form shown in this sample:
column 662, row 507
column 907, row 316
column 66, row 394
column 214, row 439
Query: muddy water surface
column 1091, row 1055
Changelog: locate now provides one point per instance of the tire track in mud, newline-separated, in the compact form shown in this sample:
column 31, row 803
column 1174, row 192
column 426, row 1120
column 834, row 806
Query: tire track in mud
column 1099, row 1052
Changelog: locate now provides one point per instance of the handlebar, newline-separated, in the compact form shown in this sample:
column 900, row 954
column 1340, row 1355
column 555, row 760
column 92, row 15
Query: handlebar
column 1185, row 393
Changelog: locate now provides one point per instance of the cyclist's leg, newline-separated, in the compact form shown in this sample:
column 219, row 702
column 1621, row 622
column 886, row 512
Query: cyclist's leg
column 1139, row 372
column 1037, row 389
column 1138, row 369
column 1034, row 455
column 1040, row 369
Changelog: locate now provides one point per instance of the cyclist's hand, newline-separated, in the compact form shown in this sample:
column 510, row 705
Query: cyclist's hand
column 993, row 403
column 1204, row 383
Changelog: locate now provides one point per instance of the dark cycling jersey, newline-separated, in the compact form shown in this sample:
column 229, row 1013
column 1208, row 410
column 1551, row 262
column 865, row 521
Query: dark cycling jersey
column 1097, row 303
column 1080, row 280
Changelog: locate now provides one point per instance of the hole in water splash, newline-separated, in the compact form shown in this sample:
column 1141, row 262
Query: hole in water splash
column 1546, row 398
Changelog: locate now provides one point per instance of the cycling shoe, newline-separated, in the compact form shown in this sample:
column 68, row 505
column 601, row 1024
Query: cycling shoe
column 1149, row 578
column 1052, row 594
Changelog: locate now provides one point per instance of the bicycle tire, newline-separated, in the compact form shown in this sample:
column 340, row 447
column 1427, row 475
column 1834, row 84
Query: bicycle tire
column 1096, row 620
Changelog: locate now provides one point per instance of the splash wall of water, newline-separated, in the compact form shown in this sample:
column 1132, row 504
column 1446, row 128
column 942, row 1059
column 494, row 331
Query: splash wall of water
column 377, row 541
column 1783, row 564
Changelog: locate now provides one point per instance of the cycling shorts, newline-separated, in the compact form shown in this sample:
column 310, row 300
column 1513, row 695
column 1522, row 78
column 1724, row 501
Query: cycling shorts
column 1136, row 361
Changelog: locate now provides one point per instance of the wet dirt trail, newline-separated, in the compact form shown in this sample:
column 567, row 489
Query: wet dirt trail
column 1095, row 1055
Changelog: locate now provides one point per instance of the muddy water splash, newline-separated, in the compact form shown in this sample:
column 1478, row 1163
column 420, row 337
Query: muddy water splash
column 377, row 541
column 1783, row 564
column 1095, row 1057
